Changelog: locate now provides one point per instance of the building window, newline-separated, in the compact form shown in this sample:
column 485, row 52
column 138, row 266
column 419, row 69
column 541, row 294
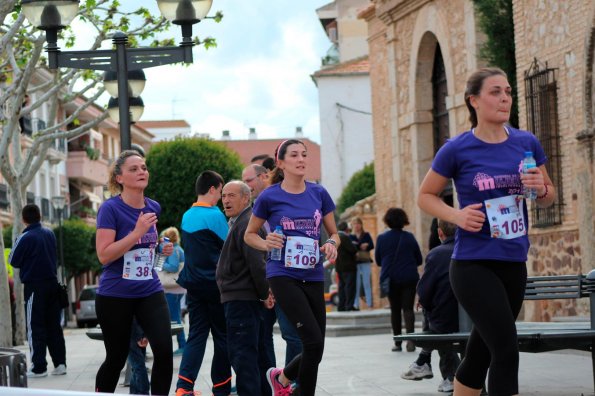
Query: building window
column 4, row 203
column 45, row 209
column 541, row 96
column 30, row 198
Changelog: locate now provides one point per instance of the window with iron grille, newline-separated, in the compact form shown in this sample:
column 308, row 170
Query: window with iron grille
column 541, row 96
column 45, row 209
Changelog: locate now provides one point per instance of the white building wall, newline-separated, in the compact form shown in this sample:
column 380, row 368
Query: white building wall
column 168, row 133
column 346, row 135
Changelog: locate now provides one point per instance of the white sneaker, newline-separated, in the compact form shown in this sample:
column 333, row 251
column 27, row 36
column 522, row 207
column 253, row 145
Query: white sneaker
column 446, row 386
column 417, row 373
column 31, row 374
column 60, row 370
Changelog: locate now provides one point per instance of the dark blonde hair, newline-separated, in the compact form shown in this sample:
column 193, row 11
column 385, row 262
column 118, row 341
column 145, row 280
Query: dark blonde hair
column 358, row 221
column 280, row 155
column 172, row 233
column 116, row 169
column 474, row 85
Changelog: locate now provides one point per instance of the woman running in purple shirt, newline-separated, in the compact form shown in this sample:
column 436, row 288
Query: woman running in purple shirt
column 297, row 280
column 129, row 286
column 488, row 270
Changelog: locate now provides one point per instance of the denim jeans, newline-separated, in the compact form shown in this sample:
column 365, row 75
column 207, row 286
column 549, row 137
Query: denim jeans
column 173, row 302
column 363, row 277
column 139, row 377
column 206, row 316
column 245, row 339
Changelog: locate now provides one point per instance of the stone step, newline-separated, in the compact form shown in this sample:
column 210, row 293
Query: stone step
column 343, row 324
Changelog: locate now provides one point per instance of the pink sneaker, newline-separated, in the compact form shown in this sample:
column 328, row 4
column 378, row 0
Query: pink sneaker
column 277, row 388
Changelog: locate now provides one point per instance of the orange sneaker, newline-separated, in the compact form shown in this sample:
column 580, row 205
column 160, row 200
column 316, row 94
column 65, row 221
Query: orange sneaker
column 186, row 392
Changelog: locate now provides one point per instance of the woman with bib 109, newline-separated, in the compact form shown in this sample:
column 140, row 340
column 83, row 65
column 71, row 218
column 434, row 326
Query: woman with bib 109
column 488, row 270
column 129, row 287
column 300, row 208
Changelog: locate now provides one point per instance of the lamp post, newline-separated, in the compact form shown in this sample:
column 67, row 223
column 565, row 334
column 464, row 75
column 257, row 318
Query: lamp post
column 53, row 15
column 58, row 203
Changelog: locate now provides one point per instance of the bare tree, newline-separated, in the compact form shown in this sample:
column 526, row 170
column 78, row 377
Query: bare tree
column 22, row 58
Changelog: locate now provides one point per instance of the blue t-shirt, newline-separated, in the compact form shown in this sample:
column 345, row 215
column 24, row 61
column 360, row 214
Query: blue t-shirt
column 115, row 214
column 483, row 171
column 299, row 215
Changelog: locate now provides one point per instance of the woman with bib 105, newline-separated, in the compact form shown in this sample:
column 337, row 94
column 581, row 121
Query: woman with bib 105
column 129, row 287
column 488, row 270
column 297, row 280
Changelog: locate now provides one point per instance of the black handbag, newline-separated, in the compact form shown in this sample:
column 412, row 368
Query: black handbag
column 63, row 295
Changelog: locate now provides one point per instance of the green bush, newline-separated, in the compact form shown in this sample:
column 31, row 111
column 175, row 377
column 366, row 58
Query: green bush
column 361, row 185
column 175, row 165
column 7, row 236
column 79, row 247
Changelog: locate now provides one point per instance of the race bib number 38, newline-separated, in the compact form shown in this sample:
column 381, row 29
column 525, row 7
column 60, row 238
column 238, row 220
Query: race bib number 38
column 138, row 265
column 506, row 217
column 301, row 252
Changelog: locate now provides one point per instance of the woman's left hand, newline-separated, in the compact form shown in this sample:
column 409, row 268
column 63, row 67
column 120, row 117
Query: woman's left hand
column 534, row 179
column 330, row 251
column 167, row 248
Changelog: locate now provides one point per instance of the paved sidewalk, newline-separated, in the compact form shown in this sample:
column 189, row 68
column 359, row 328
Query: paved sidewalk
column 358, row 365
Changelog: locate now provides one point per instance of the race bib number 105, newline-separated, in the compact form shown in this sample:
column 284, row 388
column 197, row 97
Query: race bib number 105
column 506, row 217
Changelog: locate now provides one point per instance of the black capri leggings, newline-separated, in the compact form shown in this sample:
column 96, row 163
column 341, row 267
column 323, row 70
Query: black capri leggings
column 303, row 304
column 492, row 293
column 115, row 318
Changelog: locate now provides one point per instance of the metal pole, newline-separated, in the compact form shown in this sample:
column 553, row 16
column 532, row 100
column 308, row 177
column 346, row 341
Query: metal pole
column 120, row 40
column 63, row 269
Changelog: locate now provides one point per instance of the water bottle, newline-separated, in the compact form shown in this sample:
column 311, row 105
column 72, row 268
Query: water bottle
column 276, row 253
column 528, row 163
column 159, row 259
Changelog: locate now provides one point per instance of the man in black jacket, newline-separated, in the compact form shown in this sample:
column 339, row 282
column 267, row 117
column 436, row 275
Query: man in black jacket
column 241, row 277
column 441, row 309
column 346, row 267
column 34, row 254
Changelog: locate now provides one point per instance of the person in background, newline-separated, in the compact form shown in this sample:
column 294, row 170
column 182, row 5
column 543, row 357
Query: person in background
column 241, row 277
column 346, row 269
column 34, row 254
column 363, row 242
column 488, row 271
column 173, row 264
column 300, row 208
column 126, row 242
column 204, row 230
column 441, row 310
column 12, row 309
column 398, row 255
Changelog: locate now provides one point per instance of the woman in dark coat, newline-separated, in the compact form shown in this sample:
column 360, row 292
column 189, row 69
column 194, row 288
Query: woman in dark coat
column 398, row 254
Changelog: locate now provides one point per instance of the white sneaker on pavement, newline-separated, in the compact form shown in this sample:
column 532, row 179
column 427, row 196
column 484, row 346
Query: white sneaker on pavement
column 417, row 373
column 31, row 374
column 446, row 386
column 60, row 370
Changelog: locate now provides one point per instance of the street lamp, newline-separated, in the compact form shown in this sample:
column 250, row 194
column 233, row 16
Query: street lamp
column 53, row 15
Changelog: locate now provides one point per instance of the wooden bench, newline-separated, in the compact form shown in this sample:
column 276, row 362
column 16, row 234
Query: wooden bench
column 533, row 337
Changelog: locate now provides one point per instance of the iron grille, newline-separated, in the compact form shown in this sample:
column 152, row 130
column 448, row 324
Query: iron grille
column 541, row 96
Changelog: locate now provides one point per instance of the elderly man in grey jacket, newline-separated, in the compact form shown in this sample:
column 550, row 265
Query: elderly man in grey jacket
column 241, row 277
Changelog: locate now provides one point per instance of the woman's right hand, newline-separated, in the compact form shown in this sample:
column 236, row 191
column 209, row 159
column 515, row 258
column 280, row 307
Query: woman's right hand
column 145, row 222
column 471, row 218
column 274, row 241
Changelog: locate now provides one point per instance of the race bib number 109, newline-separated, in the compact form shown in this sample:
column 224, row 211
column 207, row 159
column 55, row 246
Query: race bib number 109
column 301, row 252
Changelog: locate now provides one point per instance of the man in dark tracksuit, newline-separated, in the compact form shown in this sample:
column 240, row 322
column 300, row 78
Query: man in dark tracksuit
column 241, row 276
column 346, row 267
column 34, row 253
column 204, row 229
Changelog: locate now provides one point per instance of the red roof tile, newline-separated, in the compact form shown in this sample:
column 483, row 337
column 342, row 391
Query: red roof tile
column 355, row 66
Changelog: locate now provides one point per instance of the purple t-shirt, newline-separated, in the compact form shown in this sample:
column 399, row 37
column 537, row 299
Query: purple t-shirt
column 115, row 214
column 299, row 215
column 483, row 171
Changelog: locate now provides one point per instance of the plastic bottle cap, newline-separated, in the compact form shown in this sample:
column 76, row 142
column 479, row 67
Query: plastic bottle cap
column 278, row 228
column 528, row 153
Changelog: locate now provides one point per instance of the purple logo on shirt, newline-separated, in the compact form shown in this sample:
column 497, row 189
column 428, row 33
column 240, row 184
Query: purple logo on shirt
column 484, row 182
column 309, row 226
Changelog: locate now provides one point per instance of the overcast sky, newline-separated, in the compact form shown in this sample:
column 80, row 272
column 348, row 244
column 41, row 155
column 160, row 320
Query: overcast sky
column 258, row 76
